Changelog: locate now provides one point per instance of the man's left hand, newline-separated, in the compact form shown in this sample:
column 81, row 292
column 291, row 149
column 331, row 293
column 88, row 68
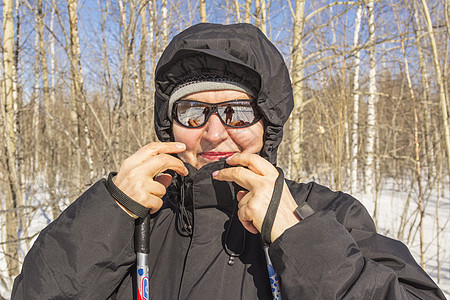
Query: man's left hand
column 259, row 180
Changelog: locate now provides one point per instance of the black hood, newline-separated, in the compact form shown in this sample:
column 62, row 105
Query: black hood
column 239, row 51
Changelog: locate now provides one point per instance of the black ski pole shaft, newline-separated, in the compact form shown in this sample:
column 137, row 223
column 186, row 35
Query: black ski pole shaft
column 142, row 248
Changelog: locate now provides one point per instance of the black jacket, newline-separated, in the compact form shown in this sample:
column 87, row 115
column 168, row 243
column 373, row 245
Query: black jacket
column 88, row 252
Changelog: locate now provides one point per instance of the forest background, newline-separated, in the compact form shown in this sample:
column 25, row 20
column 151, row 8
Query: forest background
column 371, row 115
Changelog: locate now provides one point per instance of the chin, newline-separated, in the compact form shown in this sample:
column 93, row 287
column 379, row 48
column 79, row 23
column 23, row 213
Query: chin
column 203, row 162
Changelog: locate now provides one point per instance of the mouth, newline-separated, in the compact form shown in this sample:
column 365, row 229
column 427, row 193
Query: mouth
column 212, row 155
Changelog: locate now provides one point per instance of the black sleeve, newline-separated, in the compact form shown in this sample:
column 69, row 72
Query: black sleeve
column 84, row 254
column 337, row 254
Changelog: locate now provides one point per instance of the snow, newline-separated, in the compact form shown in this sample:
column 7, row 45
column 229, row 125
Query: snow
column 395, row 200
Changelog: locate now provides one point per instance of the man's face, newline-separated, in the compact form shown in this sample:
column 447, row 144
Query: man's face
column 214, row 140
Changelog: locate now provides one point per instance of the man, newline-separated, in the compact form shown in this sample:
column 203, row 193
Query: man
column 229, row 114
column 207, row 185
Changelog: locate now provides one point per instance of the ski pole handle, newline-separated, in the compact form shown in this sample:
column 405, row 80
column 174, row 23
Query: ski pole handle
column 142, row 248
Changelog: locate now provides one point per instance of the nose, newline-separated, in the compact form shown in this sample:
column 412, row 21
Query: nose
column 215, row 132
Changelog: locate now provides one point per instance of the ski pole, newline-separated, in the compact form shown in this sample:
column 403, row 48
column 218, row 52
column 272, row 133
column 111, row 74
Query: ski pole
column 273, row 276
column 142, row 247
column 266, row 231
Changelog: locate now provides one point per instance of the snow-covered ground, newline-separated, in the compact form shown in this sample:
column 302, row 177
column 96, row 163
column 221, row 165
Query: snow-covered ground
column 398, row 205
column 395, row 203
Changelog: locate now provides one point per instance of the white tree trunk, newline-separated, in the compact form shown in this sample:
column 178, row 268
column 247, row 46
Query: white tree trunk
column 13, row 195
column 79, row 115
column 203, row 11
column 35, row 120
column 357, row 61
column 238, row 10
column 263, row 17
column 74, row 110
column 371, row 111
column 296, row 129
column 248, row 11
column 165, row 22
column 425, row 89
column 260, row 15
column 52, row 59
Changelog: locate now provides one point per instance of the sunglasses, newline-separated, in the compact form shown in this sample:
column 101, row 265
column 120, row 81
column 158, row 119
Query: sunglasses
column 235, row 113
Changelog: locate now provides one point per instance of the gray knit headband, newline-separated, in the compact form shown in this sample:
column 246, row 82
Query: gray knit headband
column 206, row 84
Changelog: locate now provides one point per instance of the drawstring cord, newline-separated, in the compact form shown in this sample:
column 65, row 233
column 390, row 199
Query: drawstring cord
column 185, row 223
column 232, row 255
column 184, row 220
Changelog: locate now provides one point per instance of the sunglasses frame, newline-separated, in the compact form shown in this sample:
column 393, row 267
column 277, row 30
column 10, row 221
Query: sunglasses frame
column 213, row 109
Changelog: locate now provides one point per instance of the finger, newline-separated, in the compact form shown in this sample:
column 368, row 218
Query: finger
column 149, row 151
column 160, row 163
column 250, row 227
column 254, row 162
column 153, row 149
column 241, row 195
column 164, row 178
column 247, row 224
column 152, row 202
column 242, row 176
column 155, row 188
column 138, row 190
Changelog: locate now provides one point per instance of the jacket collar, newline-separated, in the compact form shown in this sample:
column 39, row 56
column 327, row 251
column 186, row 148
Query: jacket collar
column 201, row 190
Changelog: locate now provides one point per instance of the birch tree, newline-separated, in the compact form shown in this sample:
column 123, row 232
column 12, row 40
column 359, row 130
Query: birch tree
column 18, row 109
column 203, row 11
column 78, row 112
column 35, row 98
column 421, row 209
column 248, row 11
column 263, row 16
column 52, row 57
column 329, row 65
column 142, row 73
column 425, row 90
column 439, row 79
column 49, row 147
column 260, row 15
column 74, row 84
column 238, row 10
column 296, row 128
column 13, row 191
column 356, row 92
column 128, row 29
column 165, row 28
column 371, row 112
column 153, row 59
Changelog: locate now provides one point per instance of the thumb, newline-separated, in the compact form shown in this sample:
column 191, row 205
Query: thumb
column 164, row 179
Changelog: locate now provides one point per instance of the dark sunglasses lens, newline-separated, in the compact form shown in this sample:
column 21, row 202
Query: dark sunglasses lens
column 238, row 113
column 190, row 113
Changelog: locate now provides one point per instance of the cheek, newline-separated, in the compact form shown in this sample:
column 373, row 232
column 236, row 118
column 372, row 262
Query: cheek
column 187, row 136
column 249, row 139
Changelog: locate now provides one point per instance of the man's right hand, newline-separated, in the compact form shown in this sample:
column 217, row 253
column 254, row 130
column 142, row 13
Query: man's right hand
column 140, row 176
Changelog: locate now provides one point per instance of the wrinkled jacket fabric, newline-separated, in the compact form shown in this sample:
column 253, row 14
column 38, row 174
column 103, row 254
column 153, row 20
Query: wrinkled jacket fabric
column 88, row 252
